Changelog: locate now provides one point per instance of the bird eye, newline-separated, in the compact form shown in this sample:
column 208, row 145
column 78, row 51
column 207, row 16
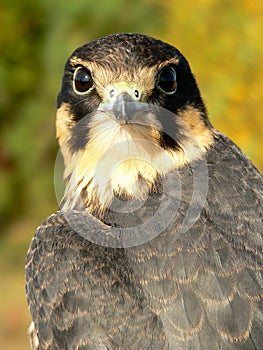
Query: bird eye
column 167, row 80
column 82, row 81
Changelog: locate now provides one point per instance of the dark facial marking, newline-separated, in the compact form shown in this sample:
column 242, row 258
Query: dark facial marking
column 79, row 136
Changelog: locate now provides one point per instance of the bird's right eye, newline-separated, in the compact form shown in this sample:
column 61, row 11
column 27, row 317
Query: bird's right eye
column 82, row 80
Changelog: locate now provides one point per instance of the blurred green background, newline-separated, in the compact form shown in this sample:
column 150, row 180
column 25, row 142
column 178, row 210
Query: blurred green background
column 223, row 42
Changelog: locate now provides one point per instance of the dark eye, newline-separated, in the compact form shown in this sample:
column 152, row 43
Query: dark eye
column 167, row 80
column 82, row 80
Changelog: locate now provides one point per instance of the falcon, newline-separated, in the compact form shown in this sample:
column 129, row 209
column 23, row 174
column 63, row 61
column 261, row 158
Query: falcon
column 158, row 241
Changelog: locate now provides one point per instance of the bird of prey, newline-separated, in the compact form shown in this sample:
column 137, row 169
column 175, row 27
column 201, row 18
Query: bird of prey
column 158, row 241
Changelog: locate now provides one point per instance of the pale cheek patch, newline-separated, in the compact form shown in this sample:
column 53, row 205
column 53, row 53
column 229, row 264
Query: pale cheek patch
column 64, row 123
column 199, row 133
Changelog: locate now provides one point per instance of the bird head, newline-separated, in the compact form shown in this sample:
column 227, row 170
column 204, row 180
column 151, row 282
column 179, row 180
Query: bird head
column 129, row 111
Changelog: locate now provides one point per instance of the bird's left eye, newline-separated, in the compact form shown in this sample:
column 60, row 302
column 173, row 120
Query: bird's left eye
column 167, row 80
column 82, row 80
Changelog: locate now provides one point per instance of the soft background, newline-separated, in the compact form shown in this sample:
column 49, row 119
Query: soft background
column 222, row 40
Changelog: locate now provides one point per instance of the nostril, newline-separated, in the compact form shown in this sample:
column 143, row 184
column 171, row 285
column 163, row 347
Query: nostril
column 112, row 93
column 137, row 93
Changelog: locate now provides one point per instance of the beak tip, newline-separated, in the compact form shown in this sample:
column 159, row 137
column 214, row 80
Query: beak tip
column 123, row 108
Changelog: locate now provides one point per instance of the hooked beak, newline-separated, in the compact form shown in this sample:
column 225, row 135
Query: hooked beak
column 122, row 100
column 124, row 108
